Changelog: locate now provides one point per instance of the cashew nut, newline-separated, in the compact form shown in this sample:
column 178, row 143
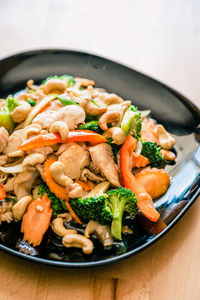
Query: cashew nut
column 78, row 241
column 30, row 85
column 57, row 173
column 166, row 141
column 61, row 128
column 106, row 98
column 102, row 231
column 20, row 112
column 84, row 82
column 75, row 190
column 108, row 117
column 119, row 108
column 17, row 153
column 117, row 134
column 19, row 208
column 54, row 84
column 22, row 96
column 58, row 227
column 167, row 155
column 66, row 216
column 33, row 159
column 112, row 99
column 90, row 108
column 33, row 128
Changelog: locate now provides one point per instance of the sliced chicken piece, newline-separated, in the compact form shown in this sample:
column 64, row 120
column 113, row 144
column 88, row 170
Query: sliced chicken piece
column 19, row 136
column 72, row 115
column 23, row 188
column 94, row 168
column 14, row 140
column 74, row 158
column 45, row 150
column 3, row 138
column 102, row 157
column 9, row 185
column 22, row 177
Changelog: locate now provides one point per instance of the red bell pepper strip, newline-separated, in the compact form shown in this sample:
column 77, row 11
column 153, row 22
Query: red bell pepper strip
column 144, row 200
column 2, row 192
column 55, row 138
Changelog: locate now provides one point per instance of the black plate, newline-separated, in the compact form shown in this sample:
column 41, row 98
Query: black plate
column 168, row 107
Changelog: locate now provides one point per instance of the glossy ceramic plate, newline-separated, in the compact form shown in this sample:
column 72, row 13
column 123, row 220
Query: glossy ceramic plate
column 175, row 112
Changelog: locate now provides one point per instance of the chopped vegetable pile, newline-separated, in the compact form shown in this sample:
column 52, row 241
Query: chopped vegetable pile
column 70, row 151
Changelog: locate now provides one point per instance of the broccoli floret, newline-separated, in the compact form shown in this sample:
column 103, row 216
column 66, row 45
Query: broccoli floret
column 93, row 208
column 120, row 200
column 6, row 120
column 92, row 125
column 11, row 103
column 89, row 118
column 132, row 122
column 152, row 152
column 56, row 203
column 69, row 80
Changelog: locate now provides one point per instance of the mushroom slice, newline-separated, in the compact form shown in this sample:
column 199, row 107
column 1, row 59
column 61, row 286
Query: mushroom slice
column 87, row 174
column 103, row 232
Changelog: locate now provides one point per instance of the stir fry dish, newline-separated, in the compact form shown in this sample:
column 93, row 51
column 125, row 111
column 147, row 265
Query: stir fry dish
column 72, row 152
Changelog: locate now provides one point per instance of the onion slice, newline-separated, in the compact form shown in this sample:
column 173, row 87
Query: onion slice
column 12, row 169
column 36, row 109
column 138, row 148
column 145, row 113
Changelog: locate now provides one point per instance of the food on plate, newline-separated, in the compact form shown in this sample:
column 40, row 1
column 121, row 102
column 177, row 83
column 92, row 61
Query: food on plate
column 74, row 153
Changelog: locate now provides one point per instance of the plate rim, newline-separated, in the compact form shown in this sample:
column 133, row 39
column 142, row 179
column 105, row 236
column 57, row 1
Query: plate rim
column 190, row 105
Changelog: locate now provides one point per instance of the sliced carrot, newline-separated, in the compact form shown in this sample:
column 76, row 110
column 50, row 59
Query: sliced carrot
column 72, row 213
column 91, row 185
column 155, row 181
column 2, row 192
column 87, row 186
column 58, row 190
column 36, row 220
column 139, row 161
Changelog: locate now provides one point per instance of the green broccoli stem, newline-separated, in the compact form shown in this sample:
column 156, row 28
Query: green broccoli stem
column 117, row 211
column 116, row 227
column 120, row 200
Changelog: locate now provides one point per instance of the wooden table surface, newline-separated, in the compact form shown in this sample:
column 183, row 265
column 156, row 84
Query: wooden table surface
column 160, row 38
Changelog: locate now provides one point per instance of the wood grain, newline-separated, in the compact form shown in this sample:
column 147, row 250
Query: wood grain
column 161, row 38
